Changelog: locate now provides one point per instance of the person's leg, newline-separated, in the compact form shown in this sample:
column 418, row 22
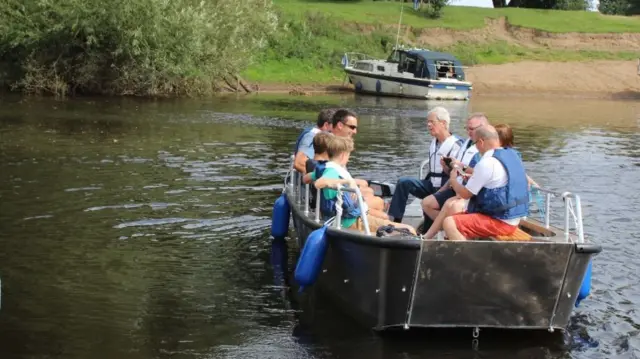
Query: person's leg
column 450, row 229
column 376, row 222
column 404, row 187
column 366, row 191
column 433, row 203
column 475, row 225
column 451, row 206
column 375, row 203
column 378, row 214
column 361, row 183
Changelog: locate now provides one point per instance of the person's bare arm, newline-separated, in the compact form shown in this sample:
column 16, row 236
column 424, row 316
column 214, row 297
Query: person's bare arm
column 460, row 190
column 329, row 182
column 307, row 178
column 300, row 162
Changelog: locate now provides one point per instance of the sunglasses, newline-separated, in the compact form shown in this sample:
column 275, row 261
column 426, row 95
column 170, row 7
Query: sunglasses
column 353, row 127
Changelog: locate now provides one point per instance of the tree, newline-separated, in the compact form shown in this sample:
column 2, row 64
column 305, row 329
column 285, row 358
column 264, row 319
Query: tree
column 619, row 7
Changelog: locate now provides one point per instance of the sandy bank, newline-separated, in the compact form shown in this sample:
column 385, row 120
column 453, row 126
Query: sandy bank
column 594, row 79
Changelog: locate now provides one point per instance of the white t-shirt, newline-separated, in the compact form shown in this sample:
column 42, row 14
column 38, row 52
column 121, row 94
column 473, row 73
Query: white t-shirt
column 489, row 173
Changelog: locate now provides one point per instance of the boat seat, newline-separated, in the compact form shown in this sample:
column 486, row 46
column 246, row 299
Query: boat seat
column 518, row 235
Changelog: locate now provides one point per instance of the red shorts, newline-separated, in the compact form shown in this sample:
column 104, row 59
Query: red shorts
column 478, row 225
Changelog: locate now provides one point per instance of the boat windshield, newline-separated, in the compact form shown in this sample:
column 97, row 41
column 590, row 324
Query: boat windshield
column 394, row 57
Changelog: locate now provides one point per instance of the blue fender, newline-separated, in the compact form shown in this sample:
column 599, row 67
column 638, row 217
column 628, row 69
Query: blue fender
column 585, row 288
column 280, row 217
column 311, row 258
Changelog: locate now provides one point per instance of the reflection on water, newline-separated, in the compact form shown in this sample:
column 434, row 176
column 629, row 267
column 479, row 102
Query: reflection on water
column 139, row 229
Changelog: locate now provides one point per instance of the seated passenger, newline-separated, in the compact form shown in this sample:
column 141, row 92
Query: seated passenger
column 319, row 161
column 497, row 192
column 303, row 148
column 456, row 204
column 442, row 144
column 344, row 123
column 431, row 204
column 339, row 150
column 317, row 166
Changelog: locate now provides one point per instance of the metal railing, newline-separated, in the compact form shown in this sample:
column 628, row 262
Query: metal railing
column 421, row 174
column 296, row 185
column 572, row 210
column 352, row 57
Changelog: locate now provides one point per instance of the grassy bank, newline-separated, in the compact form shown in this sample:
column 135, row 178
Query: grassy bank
column 462, row 17
column 313, row 35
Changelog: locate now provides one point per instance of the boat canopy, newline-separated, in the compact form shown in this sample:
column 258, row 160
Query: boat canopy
column 428, row 64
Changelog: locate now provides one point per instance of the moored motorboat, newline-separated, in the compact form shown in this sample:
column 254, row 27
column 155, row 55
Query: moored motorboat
column 533, row 282
column 409, row 72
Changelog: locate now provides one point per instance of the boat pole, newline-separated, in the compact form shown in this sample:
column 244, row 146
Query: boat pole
column 399, row 23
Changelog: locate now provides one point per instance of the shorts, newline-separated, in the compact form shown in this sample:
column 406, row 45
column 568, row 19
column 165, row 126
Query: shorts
column 443, row 196
column 478, row 225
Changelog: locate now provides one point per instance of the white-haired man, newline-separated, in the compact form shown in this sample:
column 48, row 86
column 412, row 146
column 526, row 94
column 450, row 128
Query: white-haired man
column 444, row 144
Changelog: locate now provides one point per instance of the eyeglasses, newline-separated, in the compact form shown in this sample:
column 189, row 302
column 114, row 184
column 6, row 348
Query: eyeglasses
column 472, row 128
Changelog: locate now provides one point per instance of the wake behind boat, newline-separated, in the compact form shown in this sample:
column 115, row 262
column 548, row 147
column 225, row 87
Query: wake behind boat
column 411, row 72
column 532, row 281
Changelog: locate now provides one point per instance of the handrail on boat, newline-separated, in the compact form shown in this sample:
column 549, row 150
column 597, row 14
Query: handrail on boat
column 572, row 208
column 307, row 194
column 421, row 171
column 363, row 213
column 289, row 174
column 355, row 56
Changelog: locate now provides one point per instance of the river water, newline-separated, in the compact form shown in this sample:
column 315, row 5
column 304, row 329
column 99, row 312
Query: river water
column 140, row 229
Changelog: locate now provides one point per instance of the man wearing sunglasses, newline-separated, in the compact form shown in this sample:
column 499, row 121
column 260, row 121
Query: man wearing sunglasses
column 344, row 123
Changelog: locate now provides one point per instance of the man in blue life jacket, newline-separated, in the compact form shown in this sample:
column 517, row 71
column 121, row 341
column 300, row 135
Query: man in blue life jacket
column 303, row 149
column 443, row 144
column 497, row 192
column 432, row 204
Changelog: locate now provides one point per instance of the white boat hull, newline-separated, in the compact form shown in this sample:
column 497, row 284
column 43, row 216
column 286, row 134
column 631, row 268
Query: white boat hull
column 407, row 87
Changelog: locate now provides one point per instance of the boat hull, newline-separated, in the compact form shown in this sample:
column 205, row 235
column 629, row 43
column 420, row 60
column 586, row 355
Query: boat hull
column 403, row 283
column 408, row 87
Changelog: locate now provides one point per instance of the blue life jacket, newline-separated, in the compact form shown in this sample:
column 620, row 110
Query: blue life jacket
column 507, row 202
column 350, row 207
column 318, row 169
column 302, row 134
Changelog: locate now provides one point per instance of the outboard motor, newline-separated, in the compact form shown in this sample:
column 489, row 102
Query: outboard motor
column 280, row 217
column 585, row 288
column 311, row 258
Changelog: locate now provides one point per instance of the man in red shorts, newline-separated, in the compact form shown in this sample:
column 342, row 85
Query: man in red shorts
column 497, row 192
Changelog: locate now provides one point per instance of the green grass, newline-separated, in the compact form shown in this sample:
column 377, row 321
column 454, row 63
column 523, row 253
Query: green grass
column 313, row 35
column 462, row 17
column 501, row 52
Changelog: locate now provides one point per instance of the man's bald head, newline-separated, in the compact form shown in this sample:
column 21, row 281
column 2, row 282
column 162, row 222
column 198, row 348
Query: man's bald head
column 487, row 132
column 487, row 138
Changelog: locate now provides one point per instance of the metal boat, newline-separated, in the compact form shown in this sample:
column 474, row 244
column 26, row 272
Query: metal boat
column 407, row 282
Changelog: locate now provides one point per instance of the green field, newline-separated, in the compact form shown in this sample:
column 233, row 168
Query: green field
column 463, row 17
column 313, row 36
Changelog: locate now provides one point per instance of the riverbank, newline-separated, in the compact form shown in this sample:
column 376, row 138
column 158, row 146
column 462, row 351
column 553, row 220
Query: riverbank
column 507, row 50
column 591, row 79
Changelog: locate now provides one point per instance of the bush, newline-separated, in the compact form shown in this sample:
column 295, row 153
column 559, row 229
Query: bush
column 136, row 47
column 432, row 8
